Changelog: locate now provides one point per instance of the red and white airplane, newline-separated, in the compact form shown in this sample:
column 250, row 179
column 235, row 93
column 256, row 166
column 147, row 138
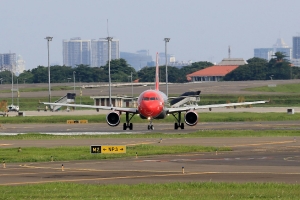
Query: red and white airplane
column 151, row 104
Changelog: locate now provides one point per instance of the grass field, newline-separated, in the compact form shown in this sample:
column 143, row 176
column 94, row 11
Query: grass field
column 40, row 154
column 286, row 88
column 191, row 191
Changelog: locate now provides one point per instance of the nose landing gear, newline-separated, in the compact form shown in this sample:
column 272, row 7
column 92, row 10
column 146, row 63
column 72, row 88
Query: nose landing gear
column 150, row 126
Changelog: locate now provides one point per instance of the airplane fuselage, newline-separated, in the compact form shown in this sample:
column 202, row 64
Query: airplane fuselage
column 151, row 104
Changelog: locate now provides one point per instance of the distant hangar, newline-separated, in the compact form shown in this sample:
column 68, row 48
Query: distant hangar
column 216, row 72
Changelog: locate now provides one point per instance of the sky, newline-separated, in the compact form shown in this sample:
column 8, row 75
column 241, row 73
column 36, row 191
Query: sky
column 200, row 30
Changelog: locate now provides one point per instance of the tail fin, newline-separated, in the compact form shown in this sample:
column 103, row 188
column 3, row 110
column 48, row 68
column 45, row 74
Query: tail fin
column 156, row 74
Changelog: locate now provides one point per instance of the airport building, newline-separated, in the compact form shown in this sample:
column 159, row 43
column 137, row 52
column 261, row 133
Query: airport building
column 216, row 72
column 88, row 52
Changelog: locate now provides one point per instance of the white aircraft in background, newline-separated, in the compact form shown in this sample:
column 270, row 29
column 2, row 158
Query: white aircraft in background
column 151, row 104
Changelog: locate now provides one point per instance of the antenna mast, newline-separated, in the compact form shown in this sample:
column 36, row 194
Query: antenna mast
column 228, row 51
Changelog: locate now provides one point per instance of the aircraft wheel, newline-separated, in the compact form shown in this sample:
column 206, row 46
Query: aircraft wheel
column 152, row 127
column 130, row 126
column 148, row 127
column 182, row 125
column 124, row 126
column 175, row 126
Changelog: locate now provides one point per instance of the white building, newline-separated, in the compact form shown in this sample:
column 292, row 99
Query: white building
column 99, row 51
column 76, row 52
column 20, row 65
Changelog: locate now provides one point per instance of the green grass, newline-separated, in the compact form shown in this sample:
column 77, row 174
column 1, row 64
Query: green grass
column 63, row 153
column 196, row 134
column 286, row 88
column 203, row 117
column 192, row 190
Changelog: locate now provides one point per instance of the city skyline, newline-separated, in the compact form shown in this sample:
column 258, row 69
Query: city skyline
column 199, row 30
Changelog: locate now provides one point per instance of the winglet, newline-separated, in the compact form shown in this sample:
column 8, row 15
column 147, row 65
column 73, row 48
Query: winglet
column 156, row 74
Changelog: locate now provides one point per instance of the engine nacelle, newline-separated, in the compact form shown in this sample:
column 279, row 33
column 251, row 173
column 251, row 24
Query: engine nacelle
column 191, row 118
column 113, row 118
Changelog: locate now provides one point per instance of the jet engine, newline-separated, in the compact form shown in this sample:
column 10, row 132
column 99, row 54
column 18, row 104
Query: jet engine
column 113, row 118
column 191, row 118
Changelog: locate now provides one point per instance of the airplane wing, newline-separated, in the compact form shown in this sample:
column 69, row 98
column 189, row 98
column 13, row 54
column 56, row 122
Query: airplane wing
column 129, row 110
column 195, row 107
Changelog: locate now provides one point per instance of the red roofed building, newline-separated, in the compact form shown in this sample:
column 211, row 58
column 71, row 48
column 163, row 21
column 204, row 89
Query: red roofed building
column 213, row 73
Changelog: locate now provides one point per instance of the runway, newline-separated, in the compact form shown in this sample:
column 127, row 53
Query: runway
column 104, row 129
column 268, row 159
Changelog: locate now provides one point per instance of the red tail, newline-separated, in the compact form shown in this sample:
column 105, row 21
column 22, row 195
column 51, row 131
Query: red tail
column 156, row 74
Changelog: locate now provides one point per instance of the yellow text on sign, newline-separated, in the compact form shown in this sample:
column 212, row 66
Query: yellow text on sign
column 113, row 149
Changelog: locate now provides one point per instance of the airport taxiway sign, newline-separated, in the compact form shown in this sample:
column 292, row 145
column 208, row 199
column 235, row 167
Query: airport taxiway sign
column 108, row 149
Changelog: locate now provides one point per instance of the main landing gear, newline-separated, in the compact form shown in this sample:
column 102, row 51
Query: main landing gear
column 128, row 124
column 178, row 124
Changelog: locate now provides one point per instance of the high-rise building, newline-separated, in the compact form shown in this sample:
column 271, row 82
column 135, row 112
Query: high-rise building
column 20, row 65
column 265, row 53
column 99, row 51
column 8, row 62
column 296, row 47
column 137, row 60
column 76, row 52
column 88, row 52
column 268, row 53
column 162, row 59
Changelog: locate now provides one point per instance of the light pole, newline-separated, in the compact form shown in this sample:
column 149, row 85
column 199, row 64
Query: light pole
column 18, row 90
column 166, row 41
column 109, row 39
column 1, row 79
column 12, row 86
column 74, row 72
column 48, row 38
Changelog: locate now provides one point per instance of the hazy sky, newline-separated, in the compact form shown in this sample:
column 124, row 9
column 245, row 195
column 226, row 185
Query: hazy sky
column 200, row 30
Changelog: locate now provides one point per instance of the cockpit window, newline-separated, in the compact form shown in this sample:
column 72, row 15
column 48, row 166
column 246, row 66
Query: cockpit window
column 151, row 98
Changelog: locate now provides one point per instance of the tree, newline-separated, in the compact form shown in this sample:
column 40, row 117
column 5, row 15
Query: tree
column 6, row 77
column 279, row 56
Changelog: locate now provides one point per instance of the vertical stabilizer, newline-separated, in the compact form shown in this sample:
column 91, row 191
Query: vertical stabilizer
column 156, row 74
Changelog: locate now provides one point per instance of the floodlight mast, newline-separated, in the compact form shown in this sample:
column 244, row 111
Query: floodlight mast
column 48, row 38
column 109, row 39
column 12, row 85
column 166, row 55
